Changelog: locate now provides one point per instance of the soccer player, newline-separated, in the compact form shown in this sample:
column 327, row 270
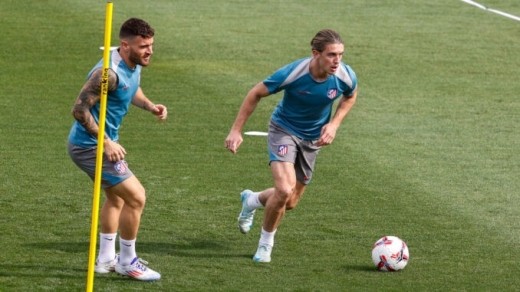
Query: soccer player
column 125, row 196
column 300, row 125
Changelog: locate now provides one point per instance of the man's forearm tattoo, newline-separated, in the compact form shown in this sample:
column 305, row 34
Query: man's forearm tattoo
column 88, row 97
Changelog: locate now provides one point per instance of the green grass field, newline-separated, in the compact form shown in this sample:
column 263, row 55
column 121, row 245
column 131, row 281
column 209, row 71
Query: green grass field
column 430, row 153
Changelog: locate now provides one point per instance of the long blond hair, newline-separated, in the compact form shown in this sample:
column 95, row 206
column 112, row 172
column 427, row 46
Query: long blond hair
column 325, row 37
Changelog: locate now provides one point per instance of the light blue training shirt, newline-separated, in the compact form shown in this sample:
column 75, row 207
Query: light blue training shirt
column 306, row 105
column 118, row 102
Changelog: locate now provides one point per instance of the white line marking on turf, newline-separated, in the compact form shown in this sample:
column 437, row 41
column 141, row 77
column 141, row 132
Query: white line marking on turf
column 514, row 17
column 475, row 4
column 511, row 16
column 111, row 48
column 255, row 133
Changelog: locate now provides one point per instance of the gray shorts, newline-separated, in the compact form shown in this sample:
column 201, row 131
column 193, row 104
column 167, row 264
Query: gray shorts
column 285, row 147
column 112, row 172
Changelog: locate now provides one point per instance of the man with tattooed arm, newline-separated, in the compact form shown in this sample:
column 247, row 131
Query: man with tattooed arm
column 125, row 196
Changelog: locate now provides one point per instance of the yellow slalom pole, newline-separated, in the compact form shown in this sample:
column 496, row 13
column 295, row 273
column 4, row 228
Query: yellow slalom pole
column 99, row 154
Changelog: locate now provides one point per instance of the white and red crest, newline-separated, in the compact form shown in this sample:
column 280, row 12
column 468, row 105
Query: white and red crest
column 332, row 93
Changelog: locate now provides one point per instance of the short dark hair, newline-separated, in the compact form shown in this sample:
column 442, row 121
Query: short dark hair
column 325, row 37
column 136, row 27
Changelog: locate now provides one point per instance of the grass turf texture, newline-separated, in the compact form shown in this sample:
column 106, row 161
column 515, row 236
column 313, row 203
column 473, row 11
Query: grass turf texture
column 429, row 153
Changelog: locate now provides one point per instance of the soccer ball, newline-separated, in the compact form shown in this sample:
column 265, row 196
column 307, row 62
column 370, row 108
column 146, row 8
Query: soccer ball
column 390, row 253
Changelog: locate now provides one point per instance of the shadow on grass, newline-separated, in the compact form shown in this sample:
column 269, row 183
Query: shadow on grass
column 43, row 271
column 40, row 271
column 193, row 249
column 186, row 247
column 359, row 268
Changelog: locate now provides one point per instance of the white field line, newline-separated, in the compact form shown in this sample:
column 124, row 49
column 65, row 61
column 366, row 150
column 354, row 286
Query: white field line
column 514, row 17
column 111, row 48
column 475, row 4
column 511, row 16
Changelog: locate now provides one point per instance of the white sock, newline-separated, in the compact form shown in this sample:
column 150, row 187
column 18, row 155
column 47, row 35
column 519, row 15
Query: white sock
column 126, row 251
column 253, row 201
column 107, row 247
column 267, row 237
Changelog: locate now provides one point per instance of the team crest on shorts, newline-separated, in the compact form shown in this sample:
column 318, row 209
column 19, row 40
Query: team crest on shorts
column 282, row 150
column 332, row 93
column 121, row 167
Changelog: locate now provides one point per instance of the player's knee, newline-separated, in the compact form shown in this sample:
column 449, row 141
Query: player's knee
column 285, row 192
column 294, row 199
column 140, row 202
column 137, row 201
column 291, row 204
column 284, row 195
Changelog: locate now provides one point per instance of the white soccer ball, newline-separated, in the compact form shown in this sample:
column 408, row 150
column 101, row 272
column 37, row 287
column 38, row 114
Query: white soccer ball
column 390, row 253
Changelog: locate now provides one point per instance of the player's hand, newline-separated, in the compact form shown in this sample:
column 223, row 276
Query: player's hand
column 233, row 141
column 160, row 111
column 114, row 151
column 328, row 133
